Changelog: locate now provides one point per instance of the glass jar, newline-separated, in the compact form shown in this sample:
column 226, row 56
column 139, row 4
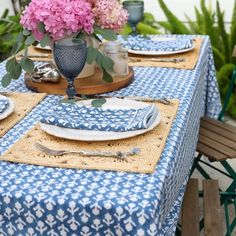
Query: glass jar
column 112, row 46
column 120, row 59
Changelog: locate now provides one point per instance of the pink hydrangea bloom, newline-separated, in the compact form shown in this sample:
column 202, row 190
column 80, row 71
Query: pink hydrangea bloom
column 109, row 14
column 60, row 17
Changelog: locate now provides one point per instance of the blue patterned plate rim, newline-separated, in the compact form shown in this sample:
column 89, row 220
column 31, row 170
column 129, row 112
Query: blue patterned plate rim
column 9, row 110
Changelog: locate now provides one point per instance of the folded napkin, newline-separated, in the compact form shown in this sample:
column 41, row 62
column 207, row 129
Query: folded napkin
column 4, row 104
column 92, row 118
column 142, row 43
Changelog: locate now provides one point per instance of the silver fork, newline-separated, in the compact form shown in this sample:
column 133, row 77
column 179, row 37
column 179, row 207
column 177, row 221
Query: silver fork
column 120, row 155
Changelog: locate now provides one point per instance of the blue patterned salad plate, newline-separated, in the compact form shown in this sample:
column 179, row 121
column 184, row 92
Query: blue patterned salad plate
column 117, row 119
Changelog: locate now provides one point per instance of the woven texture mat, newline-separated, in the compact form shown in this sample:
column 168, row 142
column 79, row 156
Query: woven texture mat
column 24, row 103
column 189, row 63
column 151, row 145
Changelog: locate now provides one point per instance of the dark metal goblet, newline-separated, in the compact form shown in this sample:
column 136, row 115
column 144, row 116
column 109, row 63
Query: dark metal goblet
column 135, row 10
column 70, row 56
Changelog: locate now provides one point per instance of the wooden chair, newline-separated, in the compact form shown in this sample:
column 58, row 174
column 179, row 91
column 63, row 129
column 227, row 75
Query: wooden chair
column 217, row 142
column 213, row 225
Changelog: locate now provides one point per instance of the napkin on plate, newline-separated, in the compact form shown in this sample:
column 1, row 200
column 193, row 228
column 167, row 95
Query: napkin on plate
column 142, row 43
column 4, row 104
column 92, row 118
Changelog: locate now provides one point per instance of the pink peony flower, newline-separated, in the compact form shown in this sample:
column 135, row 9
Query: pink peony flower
column 109, row 14
column 61, row 18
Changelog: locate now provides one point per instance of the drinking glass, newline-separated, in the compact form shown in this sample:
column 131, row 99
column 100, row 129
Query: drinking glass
column 135, row 10
column 70, row 56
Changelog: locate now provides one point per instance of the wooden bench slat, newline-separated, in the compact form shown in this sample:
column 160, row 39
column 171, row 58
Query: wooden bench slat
column 190, row 210
column 217, row 146
column 220, row 124
column 219, row 130
column 217, row 138
column 212, row 154
column 212, row 209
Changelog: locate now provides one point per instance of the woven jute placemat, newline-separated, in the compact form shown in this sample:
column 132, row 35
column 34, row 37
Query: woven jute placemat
column 151, row 144
column 23, row 104
column 189, row 63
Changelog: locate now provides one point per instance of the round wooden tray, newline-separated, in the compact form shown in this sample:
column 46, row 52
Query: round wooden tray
column 88, row 86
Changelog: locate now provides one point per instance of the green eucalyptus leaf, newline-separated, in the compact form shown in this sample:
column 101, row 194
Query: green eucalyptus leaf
column 10, row 64
column 17, row 71
column 20, row 38
column 107, row 34
column 26, row 32
column 70, row 101
column 30, row 40
column 91, row 54
column 6, row 80
column 99, row 59
column 107, row 63
column 97, row 38
column 15, row 49
column 80, row 35
column 98, row 102
column 45, row 41
column 41, row 27
column 107, row 77
column 27, row 64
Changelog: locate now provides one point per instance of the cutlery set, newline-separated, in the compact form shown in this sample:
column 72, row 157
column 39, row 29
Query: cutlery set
column 119, row 155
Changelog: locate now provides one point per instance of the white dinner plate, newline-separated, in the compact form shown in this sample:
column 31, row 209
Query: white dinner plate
column 9, row 110
column 160, row 53
column 94, row 135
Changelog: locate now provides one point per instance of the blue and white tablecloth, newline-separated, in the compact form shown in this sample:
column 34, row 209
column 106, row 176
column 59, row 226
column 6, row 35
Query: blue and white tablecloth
column 52, row 201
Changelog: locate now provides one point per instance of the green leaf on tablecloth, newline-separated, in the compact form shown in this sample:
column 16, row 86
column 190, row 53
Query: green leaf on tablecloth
column 6, row 80
column 107, row 63
column 91, row 54
column 45, row 41
column 107, row 77
column 107, row 34
column 98, row 102
column 70, row 101
column 29, row 40
column 27, row 64
column 26, row 32
column 13, row 68
column 41, row 27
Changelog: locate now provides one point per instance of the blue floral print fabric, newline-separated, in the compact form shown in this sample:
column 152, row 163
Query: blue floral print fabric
column 143, row 43
column 92, row 118
column 40, row 201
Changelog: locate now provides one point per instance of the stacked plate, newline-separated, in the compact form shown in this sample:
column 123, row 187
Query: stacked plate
column 117, row 119
column 6, row 107
column 142, row 45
